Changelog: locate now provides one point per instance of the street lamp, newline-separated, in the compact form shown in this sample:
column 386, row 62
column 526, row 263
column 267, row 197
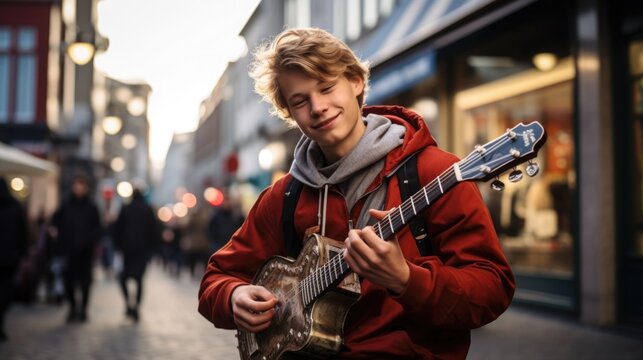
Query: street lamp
column 81, row 52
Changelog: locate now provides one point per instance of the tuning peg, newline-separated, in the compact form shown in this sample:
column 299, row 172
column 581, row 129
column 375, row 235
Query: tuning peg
column 515, row 175
column 497, row 185
column 532, row 169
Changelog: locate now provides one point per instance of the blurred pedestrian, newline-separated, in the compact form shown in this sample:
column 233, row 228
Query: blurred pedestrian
column 13, row 246
column 136, row 235
column 225, row 220
column 196, row 242
column 77, row 228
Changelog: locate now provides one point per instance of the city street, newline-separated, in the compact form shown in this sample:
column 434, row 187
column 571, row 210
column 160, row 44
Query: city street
column 171, row 328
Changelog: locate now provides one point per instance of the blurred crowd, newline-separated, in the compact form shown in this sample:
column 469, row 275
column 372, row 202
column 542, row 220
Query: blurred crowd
column 52, row 260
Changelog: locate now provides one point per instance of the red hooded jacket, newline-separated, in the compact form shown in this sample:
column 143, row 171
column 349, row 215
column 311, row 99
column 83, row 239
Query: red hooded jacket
column 463, row 284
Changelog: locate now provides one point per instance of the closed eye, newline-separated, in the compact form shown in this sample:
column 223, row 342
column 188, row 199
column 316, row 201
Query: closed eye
column 328, row 88
column 298, row 103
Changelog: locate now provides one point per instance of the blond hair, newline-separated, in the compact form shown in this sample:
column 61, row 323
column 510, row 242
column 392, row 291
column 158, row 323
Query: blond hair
column 315, row 52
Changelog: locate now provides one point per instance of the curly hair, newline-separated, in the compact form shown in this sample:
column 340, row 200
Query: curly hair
column 313, row 51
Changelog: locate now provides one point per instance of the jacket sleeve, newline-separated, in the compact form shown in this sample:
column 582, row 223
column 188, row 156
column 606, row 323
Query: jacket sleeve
column 467, row 282
column 235, row 264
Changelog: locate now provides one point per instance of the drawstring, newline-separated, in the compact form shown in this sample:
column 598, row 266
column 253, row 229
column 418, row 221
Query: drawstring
column 321, row 210
column 324, row 204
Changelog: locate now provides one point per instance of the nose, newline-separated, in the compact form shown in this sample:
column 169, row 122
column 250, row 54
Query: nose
column 318, row 104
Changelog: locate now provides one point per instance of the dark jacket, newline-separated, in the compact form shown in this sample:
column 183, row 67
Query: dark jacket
column 222, row 225
column 13, row 229
column 465, row 283
column 79, row 229
column 136, row 234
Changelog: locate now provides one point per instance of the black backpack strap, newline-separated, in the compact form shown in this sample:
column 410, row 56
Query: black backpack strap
column 409, row 183
column 291, row 196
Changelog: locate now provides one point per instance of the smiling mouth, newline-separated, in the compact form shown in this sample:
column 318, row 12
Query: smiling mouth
column 325, row 122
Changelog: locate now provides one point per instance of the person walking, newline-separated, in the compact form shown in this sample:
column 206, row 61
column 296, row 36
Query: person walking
column 414, row 303
column 13, row 247
column 225, row 220
column 136, row 235
column 77, row 228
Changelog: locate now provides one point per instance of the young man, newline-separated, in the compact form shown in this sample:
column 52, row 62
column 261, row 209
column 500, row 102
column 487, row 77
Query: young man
column 411, row 306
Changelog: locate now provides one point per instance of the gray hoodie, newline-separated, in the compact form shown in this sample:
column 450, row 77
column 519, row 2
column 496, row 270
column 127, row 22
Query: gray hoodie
column 354, row 172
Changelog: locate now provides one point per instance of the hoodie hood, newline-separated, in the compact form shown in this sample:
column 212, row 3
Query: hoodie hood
column 380, row 137
column 416, row 137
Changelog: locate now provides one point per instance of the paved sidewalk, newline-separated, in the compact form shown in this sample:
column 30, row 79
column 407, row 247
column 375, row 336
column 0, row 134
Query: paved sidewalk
column 535, row 335
column 171, row 328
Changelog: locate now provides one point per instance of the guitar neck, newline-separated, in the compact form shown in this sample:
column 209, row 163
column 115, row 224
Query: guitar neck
column 334, row 270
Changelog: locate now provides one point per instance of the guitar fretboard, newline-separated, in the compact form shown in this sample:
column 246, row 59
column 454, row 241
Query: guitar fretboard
column 334, row 270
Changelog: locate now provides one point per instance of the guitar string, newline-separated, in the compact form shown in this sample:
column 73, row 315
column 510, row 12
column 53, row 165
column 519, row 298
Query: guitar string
column 329, row 267
column 326, row 271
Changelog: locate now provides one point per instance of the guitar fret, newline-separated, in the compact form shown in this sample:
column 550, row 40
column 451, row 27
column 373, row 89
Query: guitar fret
column 305, row 295
column 390, row 223
column 440, row 183
column 326, row 277
column 315, row 291
column 379, row 226
column 426, row 196
column 413, row 205
column 401, row 214
column 335, row 267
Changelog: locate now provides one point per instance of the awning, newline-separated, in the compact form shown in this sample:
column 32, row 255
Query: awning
column 412, row 22
column 17, row 162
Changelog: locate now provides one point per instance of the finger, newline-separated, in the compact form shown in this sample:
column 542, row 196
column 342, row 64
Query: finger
column 255, row 319
column 374, row 242
column 244, row 325
column 357, row 255
column 378, row 214
column 259, row 300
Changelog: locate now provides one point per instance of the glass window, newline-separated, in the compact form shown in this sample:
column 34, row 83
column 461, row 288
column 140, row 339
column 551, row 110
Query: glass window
column 5, row 43
column 370, row 13
column 297, row 13
column 26, row 39
column 532, row 216
column 26, row 89
column 4, row 89
column 386, row 7
column 508, row 75
column 5, row 38
column 353, row 22
column 18, row 74
column 339, row 19
column 636, row 71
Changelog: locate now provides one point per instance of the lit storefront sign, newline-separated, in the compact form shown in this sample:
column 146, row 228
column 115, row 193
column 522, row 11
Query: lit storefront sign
column 401, row 75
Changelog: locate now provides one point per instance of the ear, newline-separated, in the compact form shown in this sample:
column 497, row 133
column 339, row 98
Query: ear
column 358, row 84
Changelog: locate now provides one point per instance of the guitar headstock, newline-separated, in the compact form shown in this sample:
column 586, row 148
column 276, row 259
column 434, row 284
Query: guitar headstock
column 516, row 146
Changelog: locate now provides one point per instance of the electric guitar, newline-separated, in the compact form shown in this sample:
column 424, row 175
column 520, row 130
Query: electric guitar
column 317, row 289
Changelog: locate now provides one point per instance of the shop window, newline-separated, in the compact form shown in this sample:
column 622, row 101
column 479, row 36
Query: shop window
column 636, row 71
column 533, row 216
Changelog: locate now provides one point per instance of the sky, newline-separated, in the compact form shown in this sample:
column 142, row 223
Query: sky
column 179, row 48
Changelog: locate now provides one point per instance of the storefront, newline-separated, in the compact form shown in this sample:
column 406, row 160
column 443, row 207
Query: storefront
column 574, row 238
column 628, row 64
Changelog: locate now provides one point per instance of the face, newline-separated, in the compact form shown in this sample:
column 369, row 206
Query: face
column 326, row 111
column 79, row 188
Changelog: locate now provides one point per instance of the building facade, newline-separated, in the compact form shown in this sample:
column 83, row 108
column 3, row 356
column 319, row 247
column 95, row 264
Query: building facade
column 472, row 69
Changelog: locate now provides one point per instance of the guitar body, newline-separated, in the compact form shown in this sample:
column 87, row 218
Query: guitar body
column 310, row 331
